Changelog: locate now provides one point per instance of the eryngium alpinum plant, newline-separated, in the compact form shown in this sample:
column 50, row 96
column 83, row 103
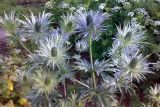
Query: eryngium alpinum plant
column 55, row 76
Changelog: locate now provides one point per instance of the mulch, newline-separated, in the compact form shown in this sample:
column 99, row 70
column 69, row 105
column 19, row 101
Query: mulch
column 3, row 43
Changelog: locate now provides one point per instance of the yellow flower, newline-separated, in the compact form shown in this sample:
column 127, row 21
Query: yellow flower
column 22, row 101
column 10, row 85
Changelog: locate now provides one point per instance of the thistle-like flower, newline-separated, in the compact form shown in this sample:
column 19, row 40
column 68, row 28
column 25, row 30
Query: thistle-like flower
column 91, row 23
column 67, row 24
column 53, row 50
column 82, row 46
column 36, row 27
column 41, row 100
column 22, row 76
column 135, row 66
column 10, row 22
column 129, row 38
column 24, row 80
column 155, row 94
column 44, row 82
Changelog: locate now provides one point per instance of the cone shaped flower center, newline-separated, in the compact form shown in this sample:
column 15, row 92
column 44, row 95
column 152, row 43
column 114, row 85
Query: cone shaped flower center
column 24, row 78
column 133, row 63
column 128, row 36
column 69, row 26
column 54, row 52
column 37, row 26
column 47, row 81
column 89, row 21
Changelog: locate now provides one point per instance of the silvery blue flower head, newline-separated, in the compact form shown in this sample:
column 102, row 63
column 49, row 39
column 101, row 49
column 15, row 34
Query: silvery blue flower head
column 22, row 76
column 155, row 93
column 36, row 27
column 10, row 22
column 134, row 65
column 129, row 38
column 44, row 85
column 67, row 24
column 44, row 82
column 53, row 50
column 90, row 23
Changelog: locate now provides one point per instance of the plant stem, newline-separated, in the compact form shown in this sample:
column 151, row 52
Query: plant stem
column 91, row 60
column 94, row 79
column 81, row 83
column 25, row 48
column 64, row 87
column 17, row 39
column 90, row 51
column 48, row 102
column 64, row 71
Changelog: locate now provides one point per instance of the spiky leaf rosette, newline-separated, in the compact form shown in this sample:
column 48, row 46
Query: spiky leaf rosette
column 24, row 79
column 10, row 22
column 53, row 50
column 36, row 27
column 91, row 22
column 100, row 67
column 102, row 95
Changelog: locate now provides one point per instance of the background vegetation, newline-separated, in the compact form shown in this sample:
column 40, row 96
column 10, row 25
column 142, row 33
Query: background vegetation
column 21, row 6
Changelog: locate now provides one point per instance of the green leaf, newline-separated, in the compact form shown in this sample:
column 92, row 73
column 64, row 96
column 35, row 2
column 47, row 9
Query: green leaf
column 86, row 3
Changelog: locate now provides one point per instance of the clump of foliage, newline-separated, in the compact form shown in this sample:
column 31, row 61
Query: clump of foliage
column 144, row 12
